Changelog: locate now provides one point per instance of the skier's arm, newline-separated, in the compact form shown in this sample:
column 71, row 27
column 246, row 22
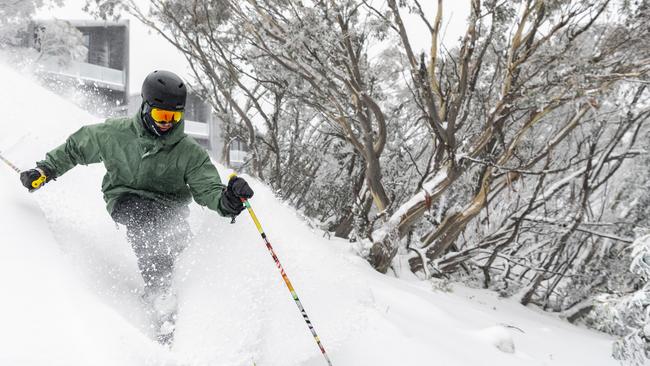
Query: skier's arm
column 204, row 182
column 82, row 147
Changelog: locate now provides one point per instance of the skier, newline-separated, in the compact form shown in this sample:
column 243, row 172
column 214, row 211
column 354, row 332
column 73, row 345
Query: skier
column 153, row 169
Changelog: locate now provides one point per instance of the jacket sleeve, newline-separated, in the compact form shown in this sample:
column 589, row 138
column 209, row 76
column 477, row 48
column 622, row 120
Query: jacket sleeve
column 203, row 179
column 82, row 147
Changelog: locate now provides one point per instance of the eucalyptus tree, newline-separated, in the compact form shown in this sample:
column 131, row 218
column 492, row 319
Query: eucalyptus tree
column 527, row 74
column 433, row 139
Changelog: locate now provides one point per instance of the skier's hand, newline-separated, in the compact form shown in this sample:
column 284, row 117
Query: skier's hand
column 240, row 188
column 34, row 179
column 231, row 198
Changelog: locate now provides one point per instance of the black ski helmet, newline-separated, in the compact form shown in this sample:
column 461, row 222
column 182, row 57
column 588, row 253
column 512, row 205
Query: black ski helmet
column 165, row 90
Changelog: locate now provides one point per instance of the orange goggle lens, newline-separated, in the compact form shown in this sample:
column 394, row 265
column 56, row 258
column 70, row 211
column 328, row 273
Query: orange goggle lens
column 161, row 115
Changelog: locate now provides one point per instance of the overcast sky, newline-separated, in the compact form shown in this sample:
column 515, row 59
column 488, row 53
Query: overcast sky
column 150, row 51
column 454, row 23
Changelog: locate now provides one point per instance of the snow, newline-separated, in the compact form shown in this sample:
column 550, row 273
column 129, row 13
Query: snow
column 71, row 287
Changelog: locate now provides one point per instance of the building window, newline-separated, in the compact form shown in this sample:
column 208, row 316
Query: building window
column 86, row 43
column 238, row 153
column 238, row 145
column 196, row 109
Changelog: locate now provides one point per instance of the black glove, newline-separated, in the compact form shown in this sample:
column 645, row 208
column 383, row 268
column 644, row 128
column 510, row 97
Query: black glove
column 231, row 198
column 34, row 179
column 240, row 188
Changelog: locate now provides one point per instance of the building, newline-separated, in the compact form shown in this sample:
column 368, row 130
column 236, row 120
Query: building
column 98, row 83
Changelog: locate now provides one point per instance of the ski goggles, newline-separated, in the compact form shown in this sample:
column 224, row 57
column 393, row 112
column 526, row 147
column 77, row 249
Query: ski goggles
column 165, row 116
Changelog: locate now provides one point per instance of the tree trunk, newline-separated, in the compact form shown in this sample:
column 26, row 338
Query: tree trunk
column 373, row 179
column 384, row 245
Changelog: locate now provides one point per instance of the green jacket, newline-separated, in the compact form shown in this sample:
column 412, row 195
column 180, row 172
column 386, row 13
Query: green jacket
column 170, row 169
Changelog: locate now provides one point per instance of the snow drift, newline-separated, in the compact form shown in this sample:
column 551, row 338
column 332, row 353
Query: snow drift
column 70, row 283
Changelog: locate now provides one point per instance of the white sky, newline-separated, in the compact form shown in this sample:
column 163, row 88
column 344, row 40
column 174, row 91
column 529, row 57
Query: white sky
column 150, row 51
column 454, row 23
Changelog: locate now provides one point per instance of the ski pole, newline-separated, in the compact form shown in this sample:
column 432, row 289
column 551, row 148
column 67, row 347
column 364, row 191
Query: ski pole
column 35, row 184
column 286, row 279
column 9, row 163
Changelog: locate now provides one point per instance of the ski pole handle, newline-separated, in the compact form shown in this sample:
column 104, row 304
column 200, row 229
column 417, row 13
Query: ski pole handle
column 231, row 176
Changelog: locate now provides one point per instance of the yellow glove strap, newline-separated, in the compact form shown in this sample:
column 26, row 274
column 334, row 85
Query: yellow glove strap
column 39, row 182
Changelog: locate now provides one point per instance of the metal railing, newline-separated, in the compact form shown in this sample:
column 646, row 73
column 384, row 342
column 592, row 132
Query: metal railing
column 111, row 78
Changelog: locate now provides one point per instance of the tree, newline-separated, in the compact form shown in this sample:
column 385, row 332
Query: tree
column 56, row 40
column 59, row 40
column 494, row 94
column 504, row 161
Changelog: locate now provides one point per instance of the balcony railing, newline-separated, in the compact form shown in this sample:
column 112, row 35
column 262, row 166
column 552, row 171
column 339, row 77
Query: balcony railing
column 197, row 130
column 103, row 76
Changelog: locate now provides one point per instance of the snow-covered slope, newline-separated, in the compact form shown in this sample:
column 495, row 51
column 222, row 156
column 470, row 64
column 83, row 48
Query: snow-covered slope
column 49, row 313
column 70, row 284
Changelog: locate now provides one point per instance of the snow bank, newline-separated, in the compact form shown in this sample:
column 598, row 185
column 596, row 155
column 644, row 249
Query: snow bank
column 70, row 284
column 49, row 314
